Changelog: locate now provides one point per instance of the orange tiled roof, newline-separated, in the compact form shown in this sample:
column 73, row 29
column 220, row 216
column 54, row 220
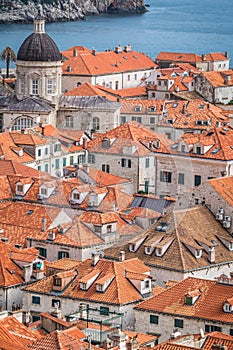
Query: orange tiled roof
column 108, row 62
column 224, row 187
column 11, row 167
column 146, row 107
column 119, row 291
column 219, row 79
column 208, row 306
column 129, row 134
column 178, row 57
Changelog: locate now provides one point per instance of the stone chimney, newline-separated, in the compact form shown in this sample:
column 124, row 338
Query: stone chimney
column 95, row 258
column 75, row 53
column 226, row 54
column 118, row 49
column 211, row 255
column 203, row 57
column 44, row 224
column 128, row 48
column 122, row 255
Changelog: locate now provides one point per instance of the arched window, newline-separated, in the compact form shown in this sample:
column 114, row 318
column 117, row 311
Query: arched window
column 96, row 123
column 22, row 123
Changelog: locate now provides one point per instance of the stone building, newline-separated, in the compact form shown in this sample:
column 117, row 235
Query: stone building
column 186, row 307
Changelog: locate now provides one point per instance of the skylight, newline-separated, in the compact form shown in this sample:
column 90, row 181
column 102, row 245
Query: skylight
column 215, row 150
column 174, row 105
column 175, row 146
column 30, row 212
column 201, row 106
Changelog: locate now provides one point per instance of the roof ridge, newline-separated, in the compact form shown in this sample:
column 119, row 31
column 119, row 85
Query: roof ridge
column 179, row 242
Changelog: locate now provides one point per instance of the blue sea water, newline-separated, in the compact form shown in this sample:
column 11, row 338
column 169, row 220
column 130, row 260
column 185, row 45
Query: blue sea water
column 199, row 26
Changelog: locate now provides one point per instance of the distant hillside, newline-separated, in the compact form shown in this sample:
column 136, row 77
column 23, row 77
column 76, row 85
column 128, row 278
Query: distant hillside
column 68, row 10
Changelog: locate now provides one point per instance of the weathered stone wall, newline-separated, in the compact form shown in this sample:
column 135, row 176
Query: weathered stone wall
column 68, row 10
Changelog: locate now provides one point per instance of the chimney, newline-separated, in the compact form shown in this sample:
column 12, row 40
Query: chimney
column 203, row 57
column 22, row 131
column 226, row 54
column 75, row 53
column 85, row 143
column 95, row 258
column 42, row 130
column 44, row 222
column 128, row 48
column 122, row 255
column 118, row 49
column 94, row 52
column 184, row 109
column 211, row 255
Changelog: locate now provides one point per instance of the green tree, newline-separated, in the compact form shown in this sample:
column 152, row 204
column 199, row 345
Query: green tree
column 8, row 55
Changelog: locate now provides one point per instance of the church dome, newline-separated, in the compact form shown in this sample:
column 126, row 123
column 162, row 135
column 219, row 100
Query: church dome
column 39, row 47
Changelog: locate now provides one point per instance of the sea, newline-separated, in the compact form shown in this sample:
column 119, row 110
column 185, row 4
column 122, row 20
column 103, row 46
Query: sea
column 195, row 26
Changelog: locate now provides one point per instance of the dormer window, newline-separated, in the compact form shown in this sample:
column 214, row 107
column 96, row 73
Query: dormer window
column 198, row 150
column 106, row 143
column 109, row 228
column 57, row 147
column 131, row 247
column 57, row 281
column 192, row 296
column 19, row 187
column 152, row 109
column 83, row 286
column 138, row 109
column 228, row 305
column 44, row 191
column 99, row 287
column 76, row 195
column 97, row 228
column 198, row 253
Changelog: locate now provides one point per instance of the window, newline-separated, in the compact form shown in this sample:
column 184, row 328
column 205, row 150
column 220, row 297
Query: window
column 137, row 119
column 50, row 86
column 35, row 85
column 181, row 178
column 97, row 228
column 147, row 162
column 71, row 160
column 154, row 319
column 165, row 176
column 57, row 281
column 126, row 163
column 168, row 134
column 178, row 323
column 39, row 168
column 81, row 159
column 91, row 158
column 197, row 180
column 39, row 152
column 42, row 251
column 231, row 331
column 123, row 119
column 152, row 120
column 147, row 284
column 64, row 161
column 135, row 76
column 76, row 195
column 104, row 311
column 62, row 255
column 19, row 188
column 43, row 191
column 96, row 123
column 57, row 147
column 109, row 228
column 212, row 328
column 146, row 186
column 22, row 123
column 198, row 150
column 128, row 77
column 57, row 163
column 46, row 151
column 56, row 303
column 35, row 300
column 116, row 85
column 70, row 122
column 106, row 168
column 182, row 148
column 46, row 168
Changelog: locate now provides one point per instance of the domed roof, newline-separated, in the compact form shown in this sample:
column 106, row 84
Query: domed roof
column 39, row 47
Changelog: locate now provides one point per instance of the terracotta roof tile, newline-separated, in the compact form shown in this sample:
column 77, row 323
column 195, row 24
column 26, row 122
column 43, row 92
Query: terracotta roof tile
column 224, row 187
column 208, row 306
